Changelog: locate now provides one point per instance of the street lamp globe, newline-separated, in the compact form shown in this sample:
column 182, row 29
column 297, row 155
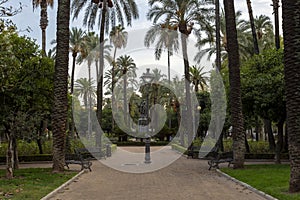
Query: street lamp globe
column 147, row 77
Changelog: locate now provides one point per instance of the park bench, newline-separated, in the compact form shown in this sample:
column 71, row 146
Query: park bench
column 193, row 152
column 83, row 157
column 217, row 158
column 214, row 157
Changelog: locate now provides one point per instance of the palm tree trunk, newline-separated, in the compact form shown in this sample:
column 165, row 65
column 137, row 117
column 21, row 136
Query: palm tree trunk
column 235, row 86
column 169, row 81
column 125, row 99
column 100, row 83
column 268, row 129
column 276, row 20
column 197, row 86
column 60, row 107
column 218, row 36
column 90, row 103
column 187, row 88
column 44, row 24
column 97, row 70
column 74, row 55
column 255, row 43
column 291, row 32
column 112, row 86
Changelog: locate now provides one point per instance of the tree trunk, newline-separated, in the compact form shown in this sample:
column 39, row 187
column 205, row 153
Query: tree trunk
column 247, row 144
column 112, row 87
column 60, row 107
column 169, row 81
column 257, row 125
column 90, row 102
column 235, row 86
column 9, row 157
column 125, row 99
column 255, row 43
column 276, row 20
column 268, row 129
column 100, row 83
column 291, row 32
column 39, row 141
column 44, row 24
column 279, row 144
column 218, row 36
column 187, row 86
column 286, row 143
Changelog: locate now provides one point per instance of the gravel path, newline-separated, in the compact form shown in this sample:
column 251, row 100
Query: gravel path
column 183, row 179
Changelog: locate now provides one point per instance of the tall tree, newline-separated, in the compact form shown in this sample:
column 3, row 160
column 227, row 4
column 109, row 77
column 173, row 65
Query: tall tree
column 235, row 86
column 43, row 4
column 276, row 20
column 76, row 46
column 60, row 107
column 84, row 89
column 126, row 66
column 110, row 12
column 166, row 37
column 254, row 37
column 218, row 35
column 183, row 15
column 210, row 39
column 198, row 77
column 118, row 36
column 291, row 33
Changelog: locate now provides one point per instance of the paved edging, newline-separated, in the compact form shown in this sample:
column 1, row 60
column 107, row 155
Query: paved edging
column 51, row 194
column 267, row 196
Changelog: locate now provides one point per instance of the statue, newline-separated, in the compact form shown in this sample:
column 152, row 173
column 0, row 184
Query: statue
column 143, row 109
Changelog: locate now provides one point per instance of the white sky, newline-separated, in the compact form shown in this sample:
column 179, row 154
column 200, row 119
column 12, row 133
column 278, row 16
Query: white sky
column 142, row 56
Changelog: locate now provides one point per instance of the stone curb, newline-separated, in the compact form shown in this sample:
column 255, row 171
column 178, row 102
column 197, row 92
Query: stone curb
column 51, row 194
column 269, row 197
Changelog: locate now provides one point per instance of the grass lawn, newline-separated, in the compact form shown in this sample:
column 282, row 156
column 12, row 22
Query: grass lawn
column 33, row 183
column 271, row 179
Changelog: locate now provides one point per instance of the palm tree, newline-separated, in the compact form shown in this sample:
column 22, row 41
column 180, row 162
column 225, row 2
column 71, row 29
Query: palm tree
column 235, row 85
column 218, row 35
column 85, row 89
column 276, row 20
column 60, row 105
column 211, row 36
column 126, row 67
column 76, row 46
column 182, row 15
column 119, row 39
column 44, row 18
column 111, row 11
column 198, row 78
column 264, row 29
column 254, row 37
column 291, row 32
column 167, row 38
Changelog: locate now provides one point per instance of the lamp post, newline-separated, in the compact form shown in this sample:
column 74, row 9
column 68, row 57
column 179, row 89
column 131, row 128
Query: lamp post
column 147, row 79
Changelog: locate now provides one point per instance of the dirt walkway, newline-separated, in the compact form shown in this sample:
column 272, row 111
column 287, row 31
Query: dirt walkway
column 184, row 179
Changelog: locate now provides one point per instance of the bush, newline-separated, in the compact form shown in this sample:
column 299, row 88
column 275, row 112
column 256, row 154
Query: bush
column 260, row 147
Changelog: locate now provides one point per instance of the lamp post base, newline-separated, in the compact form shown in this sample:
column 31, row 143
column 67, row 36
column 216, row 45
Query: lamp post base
column 147, row 151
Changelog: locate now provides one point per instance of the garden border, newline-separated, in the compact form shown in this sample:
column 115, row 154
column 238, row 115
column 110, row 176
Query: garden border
column 51, row 194
column 261, row 193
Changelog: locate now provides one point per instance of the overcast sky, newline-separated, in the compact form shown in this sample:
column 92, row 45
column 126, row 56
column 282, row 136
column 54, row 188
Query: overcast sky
column 29, row 18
